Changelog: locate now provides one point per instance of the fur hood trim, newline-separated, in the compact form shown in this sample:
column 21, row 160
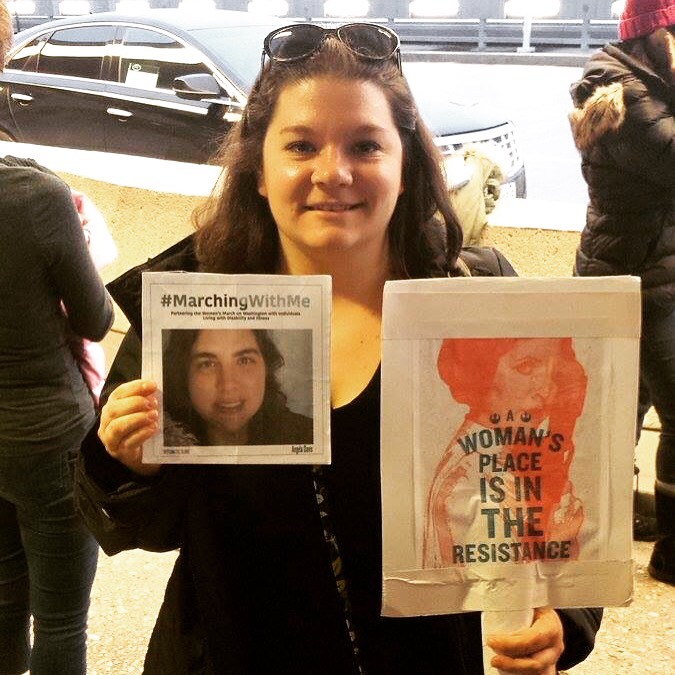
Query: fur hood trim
column 602, row 112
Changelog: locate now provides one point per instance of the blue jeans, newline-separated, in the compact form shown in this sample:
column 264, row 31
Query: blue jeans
column 657, row 369
column 47, row 567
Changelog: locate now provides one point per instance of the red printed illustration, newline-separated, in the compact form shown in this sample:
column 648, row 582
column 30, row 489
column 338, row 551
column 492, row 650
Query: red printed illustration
column 501, row 492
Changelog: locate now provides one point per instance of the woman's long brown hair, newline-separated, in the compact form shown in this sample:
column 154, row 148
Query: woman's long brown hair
column 236, row 230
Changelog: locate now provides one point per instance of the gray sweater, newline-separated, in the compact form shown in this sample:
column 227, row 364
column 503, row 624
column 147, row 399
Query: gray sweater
column 44, row 402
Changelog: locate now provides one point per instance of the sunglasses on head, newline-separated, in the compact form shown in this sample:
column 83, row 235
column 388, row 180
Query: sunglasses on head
column 299, row 41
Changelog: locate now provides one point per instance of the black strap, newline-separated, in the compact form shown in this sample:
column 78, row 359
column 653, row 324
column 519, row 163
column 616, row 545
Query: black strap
column 336, row 562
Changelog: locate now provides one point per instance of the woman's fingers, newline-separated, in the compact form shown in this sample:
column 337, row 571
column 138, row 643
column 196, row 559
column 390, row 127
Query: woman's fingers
column 121, row 430
column 129, row 398
column 128, row 419
column 133, row 388
column 537, row 664
column 119, row 409
column 532, row 651
column 130, row 452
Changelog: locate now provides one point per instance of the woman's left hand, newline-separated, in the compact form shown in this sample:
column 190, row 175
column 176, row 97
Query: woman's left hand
column 531, row 651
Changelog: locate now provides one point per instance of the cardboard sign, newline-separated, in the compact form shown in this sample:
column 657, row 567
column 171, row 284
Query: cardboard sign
column 242, row 364
column 508, row 429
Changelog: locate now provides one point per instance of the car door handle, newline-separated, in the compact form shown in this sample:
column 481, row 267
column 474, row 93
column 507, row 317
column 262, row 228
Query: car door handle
column 117, row 112
column 22, row 98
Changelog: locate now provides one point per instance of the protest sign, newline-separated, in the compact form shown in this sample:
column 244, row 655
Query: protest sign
column 242, row 365
column 508, row 429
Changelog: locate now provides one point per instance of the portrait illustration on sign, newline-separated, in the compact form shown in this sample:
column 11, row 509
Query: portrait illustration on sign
column 501, row 492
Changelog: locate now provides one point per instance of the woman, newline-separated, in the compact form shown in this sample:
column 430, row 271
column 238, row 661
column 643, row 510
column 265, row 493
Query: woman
column 624, row 127
column 47, row 557
column 330, row 171
column 221, row 388
column 535, row 385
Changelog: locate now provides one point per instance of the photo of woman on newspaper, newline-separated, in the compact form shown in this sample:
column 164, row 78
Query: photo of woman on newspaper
column 503, row 482
column 221, row 387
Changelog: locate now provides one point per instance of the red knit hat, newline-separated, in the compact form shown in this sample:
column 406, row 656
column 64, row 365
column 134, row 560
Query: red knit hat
column 642, row 17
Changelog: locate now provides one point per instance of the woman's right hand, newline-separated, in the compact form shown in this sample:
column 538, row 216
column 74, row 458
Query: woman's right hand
column 128, row 419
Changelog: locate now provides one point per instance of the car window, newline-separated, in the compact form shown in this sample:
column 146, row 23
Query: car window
column 76, row 52
column 26, row 58
column 152, row 60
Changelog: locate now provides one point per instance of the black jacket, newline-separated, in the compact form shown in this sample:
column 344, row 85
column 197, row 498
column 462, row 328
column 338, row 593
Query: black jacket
column 49, row 290
column 253, row 590
column 624, row 127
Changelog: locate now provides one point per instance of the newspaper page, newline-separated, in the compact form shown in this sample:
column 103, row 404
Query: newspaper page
column 242, row 366
column 508, row 431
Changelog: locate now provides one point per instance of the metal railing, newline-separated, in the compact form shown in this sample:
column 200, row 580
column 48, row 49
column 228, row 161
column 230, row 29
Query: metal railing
column 484, row 34
column 464, row 34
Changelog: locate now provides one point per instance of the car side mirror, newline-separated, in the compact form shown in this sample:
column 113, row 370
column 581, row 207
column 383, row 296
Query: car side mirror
column 197, row 87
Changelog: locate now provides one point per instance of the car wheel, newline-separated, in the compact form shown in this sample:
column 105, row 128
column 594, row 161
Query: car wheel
column 4, row 136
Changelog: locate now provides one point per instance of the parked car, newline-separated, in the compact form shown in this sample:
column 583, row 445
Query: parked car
column 169, row 84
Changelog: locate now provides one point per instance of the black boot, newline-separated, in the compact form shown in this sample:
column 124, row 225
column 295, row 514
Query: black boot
column 644, row 515
column 662, row 562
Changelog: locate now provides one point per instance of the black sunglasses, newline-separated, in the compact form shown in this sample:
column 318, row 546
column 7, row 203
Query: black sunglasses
column 298, row 41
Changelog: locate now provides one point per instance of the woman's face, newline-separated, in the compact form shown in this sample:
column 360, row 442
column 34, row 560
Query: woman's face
column 332, row 168
column 524, row 377
column 226, row 382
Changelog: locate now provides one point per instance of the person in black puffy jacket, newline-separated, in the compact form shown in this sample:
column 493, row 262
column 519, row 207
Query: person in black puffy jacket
column 624, row 128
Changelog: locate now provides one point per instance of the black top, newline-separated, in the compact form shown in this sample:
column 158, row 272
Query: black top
column 44, row 262
column 353, row 480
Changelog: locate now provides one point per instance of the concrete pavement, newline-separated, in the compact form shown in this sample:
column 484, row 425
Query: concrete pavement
column 633, row 640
